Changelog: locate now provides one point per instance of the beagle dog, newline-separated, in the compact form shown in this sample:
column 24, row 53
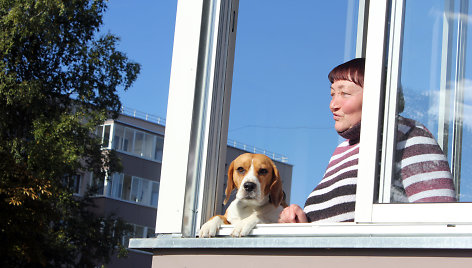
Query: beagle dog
column 259, row 196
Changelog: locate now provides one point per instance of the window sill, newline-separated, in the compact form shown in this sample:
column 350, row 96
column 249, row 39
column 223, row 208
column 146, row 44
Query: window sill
column 439, row 236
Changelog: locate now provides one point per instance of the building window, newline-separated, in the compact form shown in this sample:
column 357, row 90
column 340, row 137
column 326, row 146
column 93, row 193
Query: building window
column 73, row 183
column 159, row 148
column 154, row 193
column 140, row 190
column 128, row 140
column 132, row 141
column 126, row 187
column 138, row 143
column 115, row 186
column 104, row 133
column 97, row 184
column 131, row 188
column 118, row 137
column 148, row 146
column 138, row 231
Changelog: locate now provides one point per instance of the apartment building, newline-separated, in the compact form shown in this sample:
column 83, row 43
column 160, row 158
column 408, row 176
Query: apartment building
column 138, row 139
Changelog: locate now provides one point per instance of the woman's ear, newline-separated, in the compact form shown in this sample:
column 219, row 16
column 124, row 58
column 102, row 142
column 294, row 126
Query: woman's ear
column 229, row 184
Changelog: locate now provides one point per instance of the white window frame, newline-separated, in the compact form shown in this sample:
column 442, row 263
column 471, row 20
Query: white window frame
column 200, row 82
column 197, row 120
column 102, row 135
column 366, row 209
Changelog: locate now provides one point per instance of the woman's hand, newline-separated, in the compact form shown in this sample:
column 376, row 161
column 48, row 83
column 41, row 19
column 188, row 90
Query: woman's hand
column 292, row 214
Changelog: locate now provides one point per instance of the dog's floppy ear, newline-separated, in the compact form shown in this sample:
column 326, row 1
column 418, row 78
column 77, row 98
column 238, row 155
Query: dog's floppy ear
column 276, row 193
column 229, row 184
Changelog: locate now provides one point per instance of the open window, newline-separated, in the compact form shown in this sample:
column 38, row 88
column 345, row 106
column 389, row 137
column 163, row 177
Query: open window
column 426, row 80
column 268, row 98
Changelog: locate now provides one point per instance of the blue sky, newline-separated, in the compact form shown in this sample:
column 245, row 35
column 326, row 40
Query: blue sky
column 146, row 29
column 280, row 94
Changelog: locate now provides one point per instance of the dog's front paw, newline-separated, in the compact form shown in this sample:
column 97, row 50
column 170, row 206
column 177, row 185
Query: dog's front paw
column 243, row 228
column 210, row 228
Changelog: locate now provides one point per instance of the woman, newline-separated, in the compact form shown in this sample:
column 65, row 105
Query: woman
column 420, row 176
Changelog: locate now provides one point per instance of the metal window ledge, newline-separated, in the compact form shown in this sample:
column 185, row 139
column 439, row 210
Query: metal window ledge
column 439, row 236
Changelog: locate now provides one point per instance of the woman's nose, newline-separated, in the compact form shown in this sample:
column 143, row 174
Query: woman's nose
column 334, row 104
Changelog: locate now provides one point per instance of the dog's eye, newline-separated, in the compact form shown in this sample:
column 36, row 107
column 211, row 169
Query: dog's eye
column 262, row 171
column 241, row 169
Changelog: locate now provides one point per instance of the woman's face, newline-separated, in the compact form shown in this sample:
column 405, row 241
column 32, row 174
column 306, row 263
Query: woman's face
column 346, row 104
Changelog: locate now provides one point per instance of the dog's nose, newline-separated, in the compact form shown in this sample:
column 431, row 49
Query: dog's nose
column 249, row 186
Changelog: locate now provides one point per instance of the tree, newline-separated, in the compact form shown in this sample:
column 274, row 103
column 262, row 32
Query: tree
column 59, row 79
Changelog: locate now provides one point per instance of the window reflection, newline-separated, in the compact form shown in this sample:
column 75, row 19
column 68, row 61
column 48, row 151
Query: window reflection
column 434, row 85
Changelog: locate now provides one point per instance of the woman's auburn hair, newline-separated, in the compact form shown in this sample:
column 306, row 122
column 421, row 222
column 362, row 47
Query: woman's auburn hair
column 352, row 70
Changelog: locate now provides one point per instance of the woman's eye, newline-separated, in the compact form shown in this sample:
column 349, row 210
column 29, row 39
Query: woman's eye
column 262, row 171
column 240, row 169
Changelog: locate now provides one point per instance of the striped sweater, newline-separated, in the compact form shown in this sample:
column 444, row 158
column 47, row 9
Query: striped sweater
column 421, row 175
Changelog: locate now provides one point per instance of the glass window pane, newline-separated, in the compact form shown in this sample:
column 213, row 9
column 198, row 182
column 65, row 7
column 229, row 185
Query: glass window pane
column 136, row 188
column 117, row 185
column 145, row 192
column 98, row 184
column 108, row 185
column 154, row 193
column 125, row 241
column 106, row 136
column 432, row 126
column 281, row 92
column 139, row 231
column 150, row 233
column 76, row 180
column 128, row 140
column 127, row 187
column 118, row 133
column 138, row 143
column 73, row 183
column 99, row 131
column 148, row 145
column 159, row 148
